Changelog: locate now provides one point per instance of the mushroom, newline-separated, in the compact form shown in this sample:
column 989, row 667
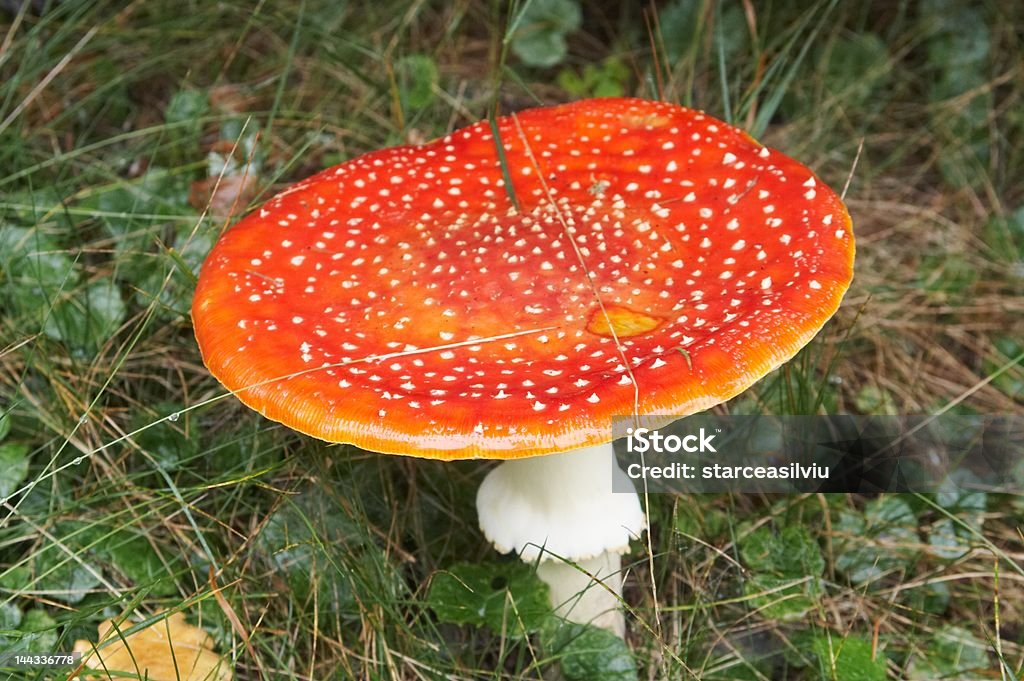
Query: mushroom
column 561, row 511
column 647, row 260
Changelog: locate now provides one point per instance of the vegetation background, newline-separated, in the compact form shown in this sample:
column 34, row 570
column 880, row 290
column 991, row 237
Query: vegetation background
column 130, row 489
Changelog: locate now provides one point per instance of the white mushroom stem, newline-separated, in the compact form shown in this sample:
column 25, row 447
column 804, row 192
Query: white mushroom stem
column 579, row 598
column 565, row 505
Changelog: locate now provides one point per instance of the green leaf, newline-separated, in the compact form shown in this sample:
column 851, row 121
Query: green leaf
column 789, row 553
column 572, row 83
column 185, row 106
column 40, row 632
column 953, row 653
column 30, row 256
column 968, row 504
column 134, row 211
column 706, row 523
column 588, row 653
column 874, row 400
column 857, row 67
column 507, row 597
column 149, row 272
column 184, row 114
column 950, row 539
column 880, row 540
column 302, row 539
column 15, row 579
column 782, row 598
column 417, row 77
column 930, row 597
column 947, row 540
column 193, row 248
column 540, row 30
column 34, row 271
column 847, row 659
column 681, row 23
column 166, row 441
column 13, row 468
column 134, row 556
column 86, row 318
column 778, row 562
column 10, row 618
column 606, row 80
column 958, row 52
column 63, row 578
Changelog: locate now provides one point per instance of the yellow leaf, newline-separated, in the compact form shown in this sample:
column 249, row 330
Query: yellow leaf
column 168, row 650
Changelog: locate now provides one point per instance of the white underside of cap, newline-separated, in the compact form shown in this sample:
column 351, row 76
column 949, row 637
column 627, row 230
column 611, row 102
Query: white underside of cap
column 562, row 503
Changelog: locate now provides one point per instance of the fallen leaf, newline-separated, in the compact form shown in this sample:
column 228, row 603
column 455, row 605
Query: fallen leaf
column 168, row 650
column 224, row 196
column 230, row 98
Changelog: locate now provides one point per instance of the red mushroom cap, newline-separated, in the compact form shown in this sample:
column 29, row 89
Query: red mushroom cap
column 660, row 262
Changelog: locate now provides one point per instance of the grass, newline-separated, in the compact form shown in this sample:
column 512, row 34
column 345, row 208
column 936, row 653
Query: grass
column 134, row 486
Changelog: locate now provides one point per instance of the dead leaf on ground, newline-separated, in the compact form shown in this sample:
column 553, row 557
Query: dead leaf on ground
column 168, row 650
column 225, row 196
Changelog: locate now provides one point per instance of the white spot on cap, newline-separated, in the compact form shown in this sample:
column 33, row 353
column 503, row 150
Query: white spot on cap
column 729, row 158
column 593, row 399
